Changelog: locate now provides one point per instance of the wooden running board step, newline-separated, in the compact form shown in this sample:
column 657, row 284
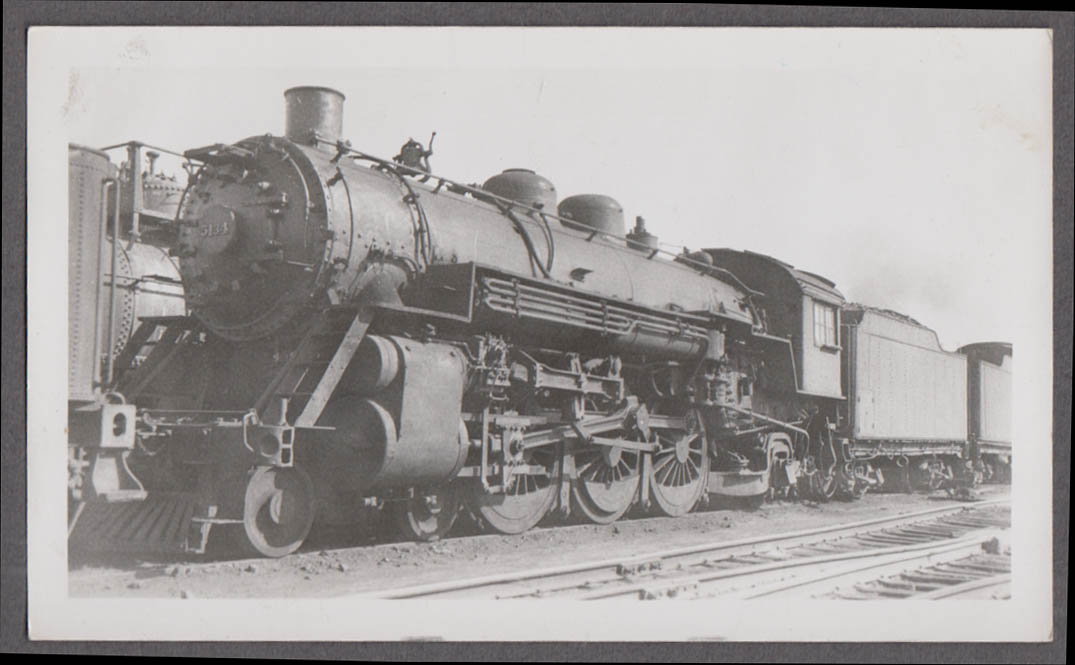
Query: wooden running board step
column 161, row 523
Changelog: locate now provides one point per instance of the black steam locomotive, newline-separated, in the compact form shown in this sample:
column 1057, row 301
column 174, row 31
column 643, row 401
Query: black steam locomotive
column 363, row 334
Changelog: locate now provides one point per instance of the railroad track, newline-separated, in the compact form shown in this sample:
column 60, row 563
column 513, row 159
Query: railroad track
column 810, row 562
column 982, row 575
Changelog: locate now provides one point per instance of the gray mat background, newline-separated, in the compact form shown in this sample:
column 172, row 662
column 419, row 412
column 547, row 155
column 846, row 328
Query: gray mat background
column 19, row 15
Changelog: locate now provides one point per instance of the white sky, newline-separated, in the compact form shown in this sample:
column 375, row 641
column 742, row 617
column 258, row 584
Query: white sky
column 905, row 165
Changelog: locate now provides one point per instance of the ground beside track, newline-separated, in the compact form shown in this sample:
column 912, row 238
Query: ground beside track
column 335, row 564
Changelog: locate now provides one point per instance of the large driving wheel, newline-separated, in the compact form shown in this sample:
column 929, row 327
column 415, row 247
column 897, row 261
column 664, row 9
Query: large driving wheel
column 680, row 467
column 278, row 510
column 522, row 504
column 607, row 483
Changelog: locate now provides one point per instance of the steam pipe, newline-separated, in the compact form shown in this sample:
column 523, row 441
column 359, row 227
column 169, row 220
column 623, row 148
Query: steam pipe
column 112, row 291
column 767, row 419
column 105, row 184
column 134, row 158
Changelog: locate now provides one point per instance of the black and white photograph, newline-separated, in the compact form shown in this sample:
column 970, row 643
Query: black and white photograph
column 402, row 333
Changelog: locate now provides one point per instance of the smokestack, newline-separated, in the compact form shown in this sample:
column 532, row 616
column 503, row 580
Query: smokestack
column 313, row 114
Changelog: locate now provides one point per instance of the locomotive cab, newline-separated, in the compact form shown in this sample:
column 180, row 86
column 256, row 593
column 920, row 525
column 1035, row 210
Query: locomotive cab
column 798, row 305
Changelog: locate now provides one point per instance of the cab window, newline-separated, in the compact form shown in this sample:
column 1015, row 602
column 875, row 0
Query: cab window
column 825, row 325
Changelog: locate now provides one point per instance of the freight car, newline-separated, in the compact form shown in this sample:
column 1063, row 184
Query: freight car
column 989, row 406
column 894, row 402
column 119, row 271
column 364, row 334
column 906, row 411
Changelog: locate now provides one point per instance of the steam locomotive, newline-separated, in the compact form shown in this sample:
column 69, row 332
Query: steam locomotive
column 121, row 226
column 362, row 334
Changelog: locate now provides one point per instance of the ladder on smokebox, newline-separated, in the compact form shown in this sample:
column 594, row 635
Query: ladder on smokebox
column 301, row 389
column 156, row 352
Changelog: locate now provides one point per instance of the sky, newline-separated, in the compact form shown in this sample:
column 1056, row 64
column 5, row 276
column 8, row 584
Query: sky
column 908, row 166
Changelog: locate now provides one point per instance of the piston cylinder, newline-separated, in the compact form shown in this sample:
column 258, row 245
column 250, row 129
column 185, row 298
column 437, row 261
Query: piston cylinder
column 408, row 433
column 374, row 368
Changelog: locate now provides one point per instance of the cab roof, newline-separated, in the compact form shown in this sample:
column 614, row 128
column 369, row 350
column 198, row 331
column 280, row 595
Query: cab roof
column 810, row 284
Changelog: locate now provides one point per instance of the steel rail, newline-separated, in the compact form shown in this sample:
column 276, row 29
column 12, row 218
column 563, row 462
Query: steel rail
column 947, row 553
column 472, row 584
column 967, row 587
column 880, row 559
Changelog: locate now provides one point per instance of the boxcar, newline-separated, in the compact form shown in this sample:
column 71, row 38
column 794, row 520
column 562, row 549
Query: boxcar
column 907, row 396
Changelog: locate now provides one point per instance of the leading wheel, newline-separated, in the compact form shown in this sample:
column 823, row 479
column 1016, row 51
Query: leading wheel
column 278, row 510
column 428, row 515
column 607, row 483
column 680, row 466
